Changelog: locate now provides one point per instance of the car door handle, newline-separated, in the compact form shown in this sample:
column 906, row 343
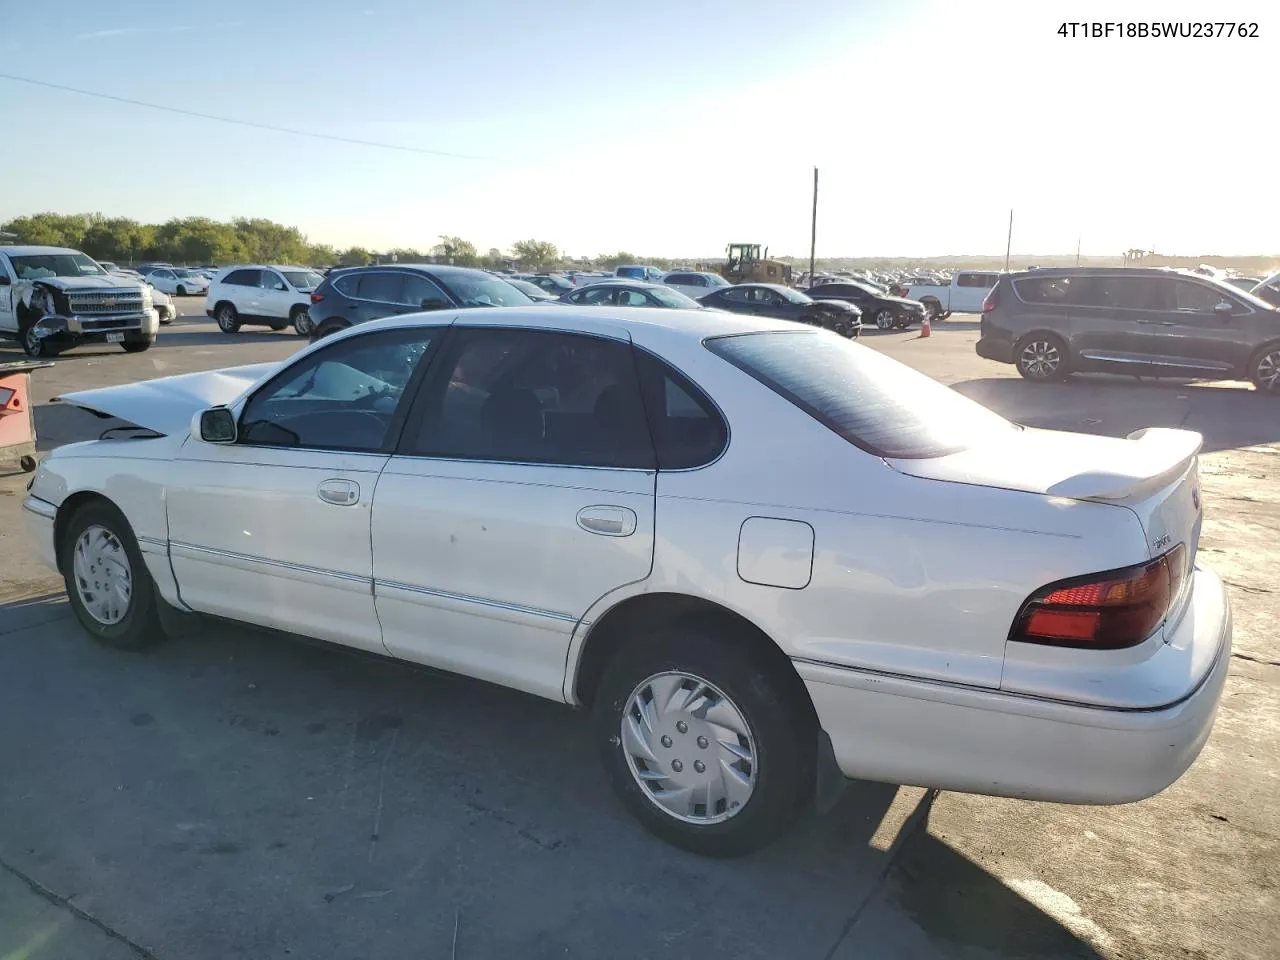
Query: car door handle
column 340, row 493
column 607, row 521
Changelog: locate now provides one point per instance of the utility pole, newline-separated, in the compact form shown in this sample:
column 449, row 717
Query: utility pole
column 1078, row 237
column 813, row 229
column 1008, row 245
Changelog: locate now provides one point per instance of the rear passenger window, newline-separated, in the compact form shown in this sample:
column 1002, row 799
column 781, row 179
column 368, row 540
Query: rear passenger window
column 1048, row 289
column 242, row 278
column 533, row 396
column 687, row 429
column 382, row 287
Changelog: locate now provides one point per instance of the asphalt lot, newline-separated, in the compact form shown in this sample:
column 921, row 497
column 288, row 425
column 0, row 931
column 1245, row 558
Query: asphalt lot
column 234, row 794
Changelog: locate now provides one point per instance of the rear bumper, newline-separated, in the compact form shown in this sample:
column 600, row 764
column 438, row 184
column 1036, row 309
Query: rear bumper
column 990, row 349
column 907, row 731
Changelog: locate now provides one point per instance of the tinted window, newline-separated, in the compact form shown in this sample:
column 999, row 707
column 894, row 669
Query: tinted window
column 596, row 295
column 687, row 429
column 1197, row 297
column 340, row 398
column 765, row 297
column 380, row 286
column 688, row 279
column 983, row 280
column 875, row 403
column 736, row 294
column 1126, row 293
column 633, row 298
column 537, row 397
column 419, row 291
column 242, row 278
column 270, row 280
column 482, row 290
column 1049, row 289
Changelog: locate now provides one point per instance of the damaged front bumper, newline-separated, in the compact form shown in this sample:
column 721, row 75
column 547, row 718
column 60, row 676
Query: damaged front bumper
column 90, row 329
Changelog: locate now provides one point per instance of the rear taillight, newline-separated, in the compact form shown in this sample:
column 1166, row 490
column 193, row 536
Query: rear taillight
column 993, row 298
column 317, row 297
column 1105, row 611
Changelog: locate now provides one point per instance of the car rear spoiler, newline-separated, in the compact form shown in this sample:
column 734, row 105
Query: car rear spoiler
column 1157, row 456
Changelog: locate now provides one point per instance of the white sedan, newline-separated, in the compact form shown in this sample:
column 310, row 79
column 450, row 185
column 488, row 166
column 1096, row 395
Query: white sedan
column 756, row 552
column 176, row 280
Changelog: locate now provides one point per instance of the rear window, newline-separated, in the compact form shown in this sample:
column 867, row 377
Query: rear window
column 875, row 403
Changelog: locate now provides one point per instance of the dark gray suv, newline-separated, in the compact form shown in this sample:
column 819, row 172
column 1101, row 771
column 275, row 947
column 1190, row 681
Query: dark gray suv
column 1151, row 322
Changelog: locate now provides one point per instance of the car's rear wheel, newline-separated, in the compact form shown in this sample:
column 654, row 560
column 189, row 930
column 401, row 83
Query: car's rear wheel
column 1041, row 357
column 227, row 318
column 885, row 319
column 111, row 592
column 301, row 321
column 327, row 328
column 703, row 740
column 1264, row 371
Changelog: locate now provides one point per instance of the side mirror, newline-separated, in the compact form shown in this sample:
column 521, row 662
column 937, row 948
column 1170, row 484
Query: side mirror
column 1223, row 308
column 215, row 425
column 281, row 286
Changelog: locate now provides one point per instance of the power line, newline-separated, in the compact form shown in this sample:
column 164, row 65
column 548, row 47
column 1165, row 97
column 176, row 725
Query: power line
column 243, row 123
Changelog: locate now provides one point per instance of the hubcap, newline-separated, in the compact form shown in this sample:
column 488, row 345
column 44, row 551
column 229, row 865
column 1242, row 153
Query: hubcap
column 34, row 343
column 224, row 318
column 1041, row 359
column 1268, row 372
column 689, row 748
column 104, row 579
column 884, row 319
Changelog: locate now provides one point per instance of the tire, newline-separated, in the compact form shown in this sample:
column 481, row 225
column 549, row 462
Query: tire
column 126, row 618
column 182, row 291
column 301, row 321
column 278, row 326
column 885, row 319
column 768, row 770
column 137, row 346
column 36, row 347
column 326, row 328
column 932, row 309
column 1041, row 357
column 227, row 318
column 1264, row 370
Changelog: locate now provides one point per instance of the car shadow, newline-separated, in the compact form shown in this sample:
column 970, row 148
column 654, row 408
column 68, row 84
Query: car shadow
column 339, row 773
column 1227, row 415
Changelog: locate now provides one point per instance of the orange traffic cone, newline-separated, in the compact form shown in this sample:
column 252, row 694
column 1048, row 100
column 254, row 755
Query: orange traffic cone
column 926, row 329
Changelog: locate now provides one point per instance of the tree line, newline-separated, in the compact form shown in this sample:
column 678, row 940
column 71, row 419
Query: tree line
column 201, row 241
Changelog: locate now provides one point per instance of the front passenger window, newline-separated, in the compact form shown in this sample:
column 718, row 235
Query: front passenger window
column 341, row 398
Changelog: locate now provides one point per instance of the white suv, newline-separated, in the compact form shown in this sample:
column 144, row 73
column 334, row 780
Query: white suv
column 269, row 295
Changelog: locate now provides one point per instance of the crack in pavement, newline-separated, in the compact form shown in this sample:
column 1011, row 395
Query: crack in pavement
column 918, row 817
column 58, row 900
column 1252, row 659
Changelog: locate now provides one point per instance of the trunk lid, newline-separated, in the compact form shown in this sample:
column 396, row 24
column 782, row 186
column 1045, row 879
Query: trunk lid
column 1154, row 472
column 167, row 405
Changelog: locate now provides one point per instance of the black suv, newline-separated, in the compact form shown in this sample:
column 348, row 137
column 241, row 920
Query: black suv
column 1150, row 322
column 368, row 293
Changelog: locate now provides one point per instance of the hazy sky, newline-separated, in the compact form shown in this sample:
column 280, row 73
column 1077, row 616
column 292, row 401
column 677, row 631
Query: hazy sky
column 670, row 127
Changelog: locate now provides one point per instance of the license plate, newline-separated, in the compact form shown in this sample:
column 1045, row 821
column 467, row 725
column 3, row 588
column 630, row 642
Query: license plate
column 115, row 337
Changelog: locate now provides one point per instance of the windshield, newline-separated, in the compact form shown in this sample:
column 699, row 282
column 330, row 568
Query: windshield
column 531, row 290
column 872, row 401
column 485, row 291
column 674, row 298
column 1247, row 296
column 303, row 279
column 55, row 265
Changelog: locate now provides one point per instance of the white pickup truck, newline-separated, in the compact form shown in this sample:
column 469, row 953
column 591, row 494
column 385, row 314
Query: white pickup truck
column 965, row 293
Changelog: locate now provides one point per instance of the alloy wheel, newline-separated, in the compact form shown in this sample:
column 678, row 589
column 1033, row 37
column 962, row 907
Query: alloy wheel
column 1040, row 359
column 103, row 576
column 1266, row 373
column 884, row 319
column 689, row 748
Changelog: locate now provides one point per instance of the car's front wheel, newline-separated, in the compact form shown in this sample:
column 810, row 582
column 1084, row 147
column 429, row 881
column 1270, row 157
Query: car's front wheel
column 137, row 346
column 885, row 319
column 35, row 346
column 704, row 741
column 227, row 318
column 1264, row 371
column 111, row 592
column 1041, row 357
